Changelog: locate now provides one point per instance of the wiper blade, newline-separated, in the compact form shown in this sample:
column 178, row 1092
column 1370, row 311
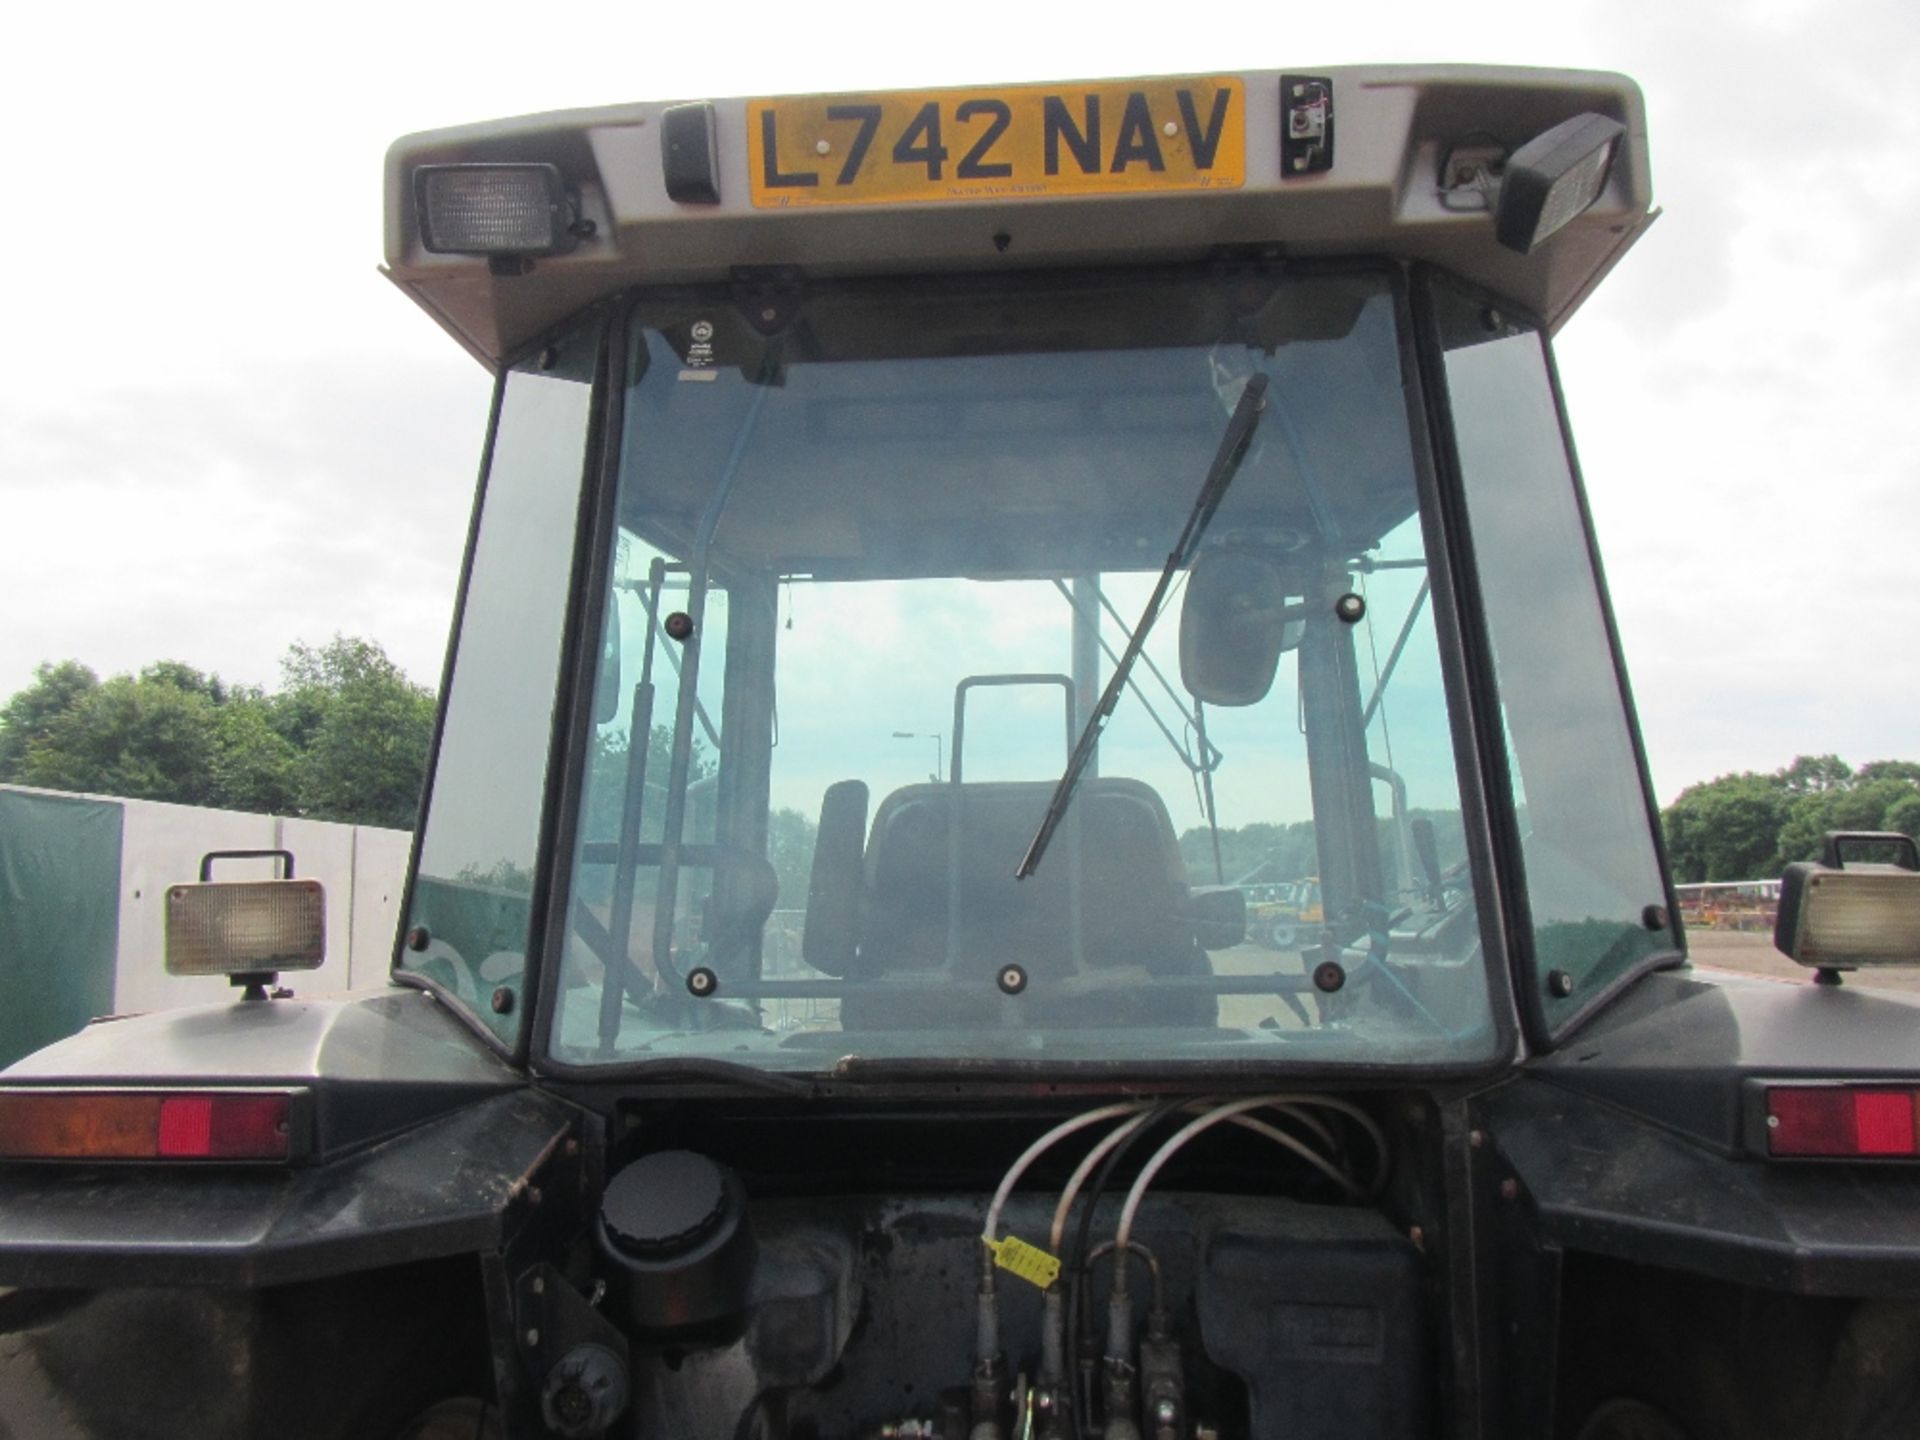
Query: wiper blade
column 1226, row 462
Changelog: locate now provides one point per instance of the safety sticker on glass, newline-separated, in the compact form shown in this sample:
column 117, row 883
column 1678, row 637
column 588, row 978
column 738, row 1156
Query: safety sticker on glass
column 1029, row 1262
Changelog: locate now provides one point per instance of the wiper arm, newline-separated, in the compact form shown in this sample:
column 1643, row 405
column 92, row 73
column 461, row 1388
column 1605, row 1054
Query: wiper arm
column 1226, row 461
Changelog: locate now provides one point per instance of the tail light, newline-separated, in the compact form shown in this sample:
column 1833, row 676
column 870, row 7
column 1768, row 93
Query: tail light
column 1842, row 1122
column 48, row 1124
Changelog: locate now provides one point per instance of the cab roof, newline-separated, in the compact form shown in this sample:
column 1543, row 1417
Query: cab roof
column 1395, row 128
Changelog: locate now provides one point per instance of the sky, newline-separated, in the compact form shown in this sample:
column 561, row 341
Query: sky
column 222, row 431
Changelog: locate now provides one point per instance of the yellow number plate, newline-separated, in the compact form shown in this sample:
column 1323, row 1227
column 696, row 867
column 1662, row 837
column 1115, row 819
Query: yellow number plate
column 1003, row 143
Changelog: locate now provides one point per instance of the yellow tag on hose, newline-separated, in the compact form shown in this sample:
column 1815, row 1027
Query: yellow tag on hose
column 1029, row 1262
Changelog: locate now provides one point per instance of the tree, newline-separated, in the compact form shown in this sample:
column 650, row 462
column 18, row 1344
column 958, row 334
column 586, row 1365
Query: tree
column 1747, row 826
column 1260, row 851
column 55, row 690
column 145, row 739
column 1815, row 774
column 1859, row 807
column 1904, row 815
column 1888, row 770
column 345, row 739
column 1727, row 829
column 256, row 767
column 185, row 677
column 790, row 840
column 362, row 730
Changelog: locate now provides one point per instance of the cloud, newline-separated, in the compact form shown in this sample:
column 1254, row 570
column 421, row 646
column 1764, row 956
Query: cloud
column 218, row 525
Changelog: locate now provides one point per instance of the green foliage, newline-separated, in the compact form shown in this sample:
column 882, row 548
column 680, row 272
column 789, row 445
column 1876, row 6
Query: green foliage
column 344, row 739
column 144, row 739
column 1728, row 829
column 1252, row 854
column 256, row 766
column 1749, row 827
column 367, row 726
column 790, row 840
column 56, row 689
column 1904, row 815
column 1814, row 774
column 1261, row 853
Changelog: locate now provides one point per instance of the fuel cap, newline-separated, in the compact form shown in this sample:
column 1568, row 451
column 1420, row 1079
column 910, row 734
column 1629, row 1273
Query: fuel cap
column 665, row 1204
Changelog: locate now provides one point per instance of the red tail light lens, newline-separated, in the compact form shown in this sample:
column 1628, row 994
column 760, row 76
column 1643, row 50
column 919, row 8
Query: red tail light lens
column 1842, row 1122
column 147, row 1125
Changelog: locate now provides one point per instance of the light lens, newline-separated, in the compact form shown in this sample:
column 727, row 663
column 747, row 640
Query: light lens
column 1852, row 917
column 1553, row 178
column 1841, row 1122
column 492, row 209
column 145, row 1125
column 246, row 927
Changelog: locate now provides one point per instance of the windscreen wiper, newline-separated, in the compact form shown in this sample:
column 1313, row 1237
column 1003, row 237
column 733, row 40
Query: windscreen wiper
column 1226, row 461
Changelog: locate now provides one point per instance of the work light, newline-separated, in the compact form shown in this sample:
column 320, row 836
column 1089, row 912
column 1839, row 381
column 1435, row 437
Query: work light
column 248, row 930
column 1553, row 178
column 521, row 209
column 1839, row 916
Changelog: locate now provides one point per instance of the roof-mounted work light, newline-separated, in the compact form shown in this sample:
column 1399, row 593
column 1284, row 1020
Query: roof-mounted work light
column 1837, row 916
column 1553, row 178
column 494, row 210
column 248, row 931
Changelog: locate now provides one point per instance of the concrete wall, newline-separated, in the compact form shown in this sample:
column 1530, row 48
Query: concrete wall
column 363, row 868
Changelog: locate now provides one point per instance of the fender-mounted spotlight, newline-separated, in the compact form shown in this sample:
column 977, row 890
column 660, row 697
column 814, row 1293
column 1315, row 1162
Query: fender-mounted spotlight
column 494, row 210
column 1553, row 178
column 248, row 931
column 1837, row 916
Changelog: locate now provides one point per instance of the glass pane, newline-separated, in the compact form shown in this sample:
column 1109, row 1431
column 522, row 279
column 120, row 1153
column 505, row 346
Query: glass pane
column 1590, row 860
column 478, row 855
column 616, row 895
column 931, row 518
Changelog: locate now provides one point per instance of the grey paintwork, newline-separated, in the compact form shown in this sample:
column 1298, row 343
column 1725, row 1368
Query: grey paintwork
column 1393, row 124
column 1644, row 1137
column 447, row 1187
column 375, row 1064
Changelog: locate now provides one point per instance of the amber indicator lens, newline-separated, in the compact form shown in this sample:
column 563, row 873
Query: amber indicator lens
column 145, row 1125
column 1841, row 1122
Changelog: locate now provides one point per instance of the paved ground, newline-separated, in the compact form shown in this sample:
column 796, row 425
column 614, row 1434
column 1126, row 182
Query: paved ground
column 1754, row 954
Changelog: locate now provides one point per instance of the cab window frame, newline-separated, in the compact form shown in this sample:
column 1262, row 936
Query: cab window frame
column 554, row 801
column 1543, row 1031
column 1456, row 638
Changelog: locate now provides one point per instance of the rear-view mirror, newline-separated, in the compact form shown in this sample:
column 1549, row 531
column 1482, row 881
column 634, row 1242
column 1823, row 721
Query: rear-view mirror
column 1234, row 624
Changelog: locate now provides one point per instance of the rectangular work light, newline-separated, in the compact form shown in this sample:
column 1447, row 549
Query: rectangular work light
column 253, row 927
column 1553, row 178
column 521, row 209
column 1839, row 916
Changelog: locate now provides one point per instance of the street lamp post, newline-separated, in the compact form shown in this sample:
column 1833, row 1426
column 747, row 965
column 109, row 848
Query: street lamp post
column 939, row 742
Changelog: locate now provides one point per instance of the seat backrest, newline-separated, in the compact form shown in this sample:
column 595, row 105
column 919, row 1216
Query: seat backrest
column 920, row 865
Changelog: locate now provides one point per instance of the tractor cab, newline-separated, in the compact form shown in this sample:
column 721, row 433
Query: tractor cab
column 1035, row 829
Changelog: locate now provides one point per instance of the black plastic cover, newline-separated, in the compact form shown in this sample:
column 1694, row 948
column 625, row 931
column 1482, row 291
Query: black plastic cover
column 674, row 1243
column 688, row 154
column 375, row 1064
column 663, row 1204
column 1553, row 178
column 1318, row 1311
column 1306, row 125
